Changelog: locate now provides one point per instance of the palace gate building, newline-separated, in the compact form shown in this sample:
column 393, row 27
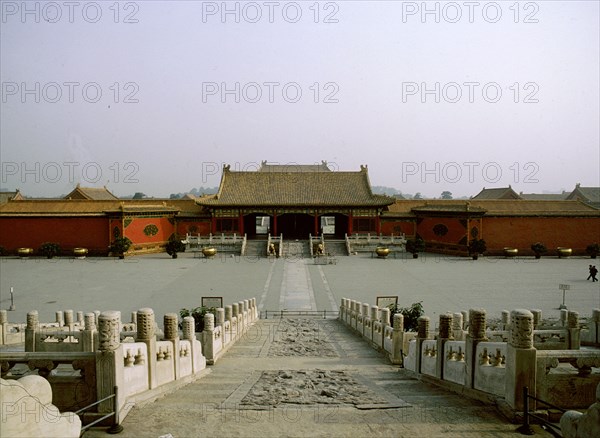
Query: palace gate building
column 294, row 201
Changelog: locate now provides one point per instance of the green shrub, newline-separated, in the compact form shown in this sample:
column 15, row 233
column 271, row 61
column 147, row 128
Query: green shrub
column 175, row 246
column 49, row 249
column 539, row 248
column 593, row 249
column 477, row 246
column 120, row 245
column 411, row 315
column 415, row 246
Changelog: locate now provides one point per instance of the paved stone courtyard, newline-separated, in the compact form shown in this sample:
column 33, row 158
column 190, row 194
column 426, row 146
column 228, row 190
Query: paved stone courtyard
column 301, row 376
column 167, row 285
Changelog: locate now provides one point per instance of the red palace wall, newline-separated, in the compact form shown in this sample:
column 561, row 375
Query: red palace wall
column 521, row 232
column 185, row 226
column 398, row 227
column 456, row 230
column 137, row 232
column 87, row 232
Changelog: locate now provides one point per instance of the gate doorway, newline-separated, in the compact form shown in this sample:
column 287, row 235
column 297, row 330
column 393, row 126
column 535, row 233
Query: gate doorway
column 257, row 225
column 333, row 225
column 295, row 225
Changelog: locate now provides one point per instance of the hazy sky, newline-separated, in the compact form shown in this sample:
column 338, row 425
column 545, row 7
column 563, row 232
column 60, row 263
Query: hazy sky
column 156, row 96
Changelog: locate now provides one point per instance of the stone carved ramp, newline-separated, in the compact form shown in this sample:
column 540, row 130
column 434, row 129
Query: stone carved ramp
column 310, row 377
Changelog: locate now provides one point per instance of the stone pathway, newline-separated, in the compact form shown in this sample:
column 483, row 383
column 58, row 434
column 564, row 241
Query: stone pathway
column 310, row 377
column 296, row 288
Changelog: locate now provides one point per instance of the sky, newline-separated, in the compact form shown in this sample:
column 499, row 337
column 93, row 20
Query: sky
column 156, row 96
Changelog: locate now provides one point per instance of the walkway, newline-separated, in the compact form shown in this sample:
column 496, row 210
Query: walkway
column 310, row 377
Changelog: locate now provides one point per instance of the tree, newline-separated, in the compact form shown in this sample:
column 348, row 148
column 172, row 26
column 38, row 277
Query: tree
column 446, row 194
column 418, row 196
column 139, row 195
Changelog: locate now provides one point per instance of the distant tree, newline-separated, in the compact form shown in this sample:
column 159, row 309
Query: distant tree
column 418, row 196
column 139, row 195
column 446, row 194
column 383, row 190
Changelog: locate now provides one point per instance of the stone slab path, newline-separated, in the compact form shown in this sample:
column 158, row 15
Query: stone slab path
column 296, row 287
column 311, row 378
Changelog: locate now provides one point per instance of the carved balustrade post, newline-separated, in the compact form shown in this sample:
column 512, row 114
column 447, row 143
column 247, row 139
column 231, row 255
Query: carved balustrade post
column 422, row 335
column 146, row 333
column 476, row 334
column 109, row 358
column 68, row 319
column 189, row 334
column 33, row 325
column 89, row 334
column 505, row 319
column 520, row 358
column 537, row 318
column 398, row 339
column 457, row 326
column 574, row 330
column 445, row 334
column 171, row 327
column 3, row 326
column 208, row 335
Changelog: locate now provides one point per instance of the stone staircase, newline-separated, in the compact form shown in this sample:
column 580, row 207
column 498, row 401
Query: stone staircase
column 296, row 249
column 256, row 248
column 336, row 247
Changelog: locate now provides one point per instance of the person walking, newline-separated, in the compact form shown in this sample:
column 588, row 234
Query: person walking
column 590, row 269
column 593, row 273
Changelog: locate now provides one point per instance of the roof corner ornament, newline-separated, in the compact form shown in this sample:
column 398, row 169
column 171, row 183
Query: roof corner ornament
column 363, row 167
column 226, row 167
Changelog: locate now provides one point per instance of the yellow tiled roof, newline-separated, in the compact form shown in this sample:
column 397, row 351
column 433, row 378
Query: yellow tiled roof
column 495, row 207
column 302, row 189
column 84, row 207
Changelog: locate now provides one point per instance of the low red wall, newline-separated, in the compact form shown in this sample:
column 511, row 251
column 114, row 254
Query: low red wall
column 521, row 232
column 192, row 226
column 397, row 227
column 71, row 232
column 456, row 231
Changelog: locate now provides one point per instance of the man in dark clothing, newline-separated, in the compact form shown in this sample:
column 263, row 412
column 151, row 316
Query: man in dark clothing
column 593, row 273
column 590, row 276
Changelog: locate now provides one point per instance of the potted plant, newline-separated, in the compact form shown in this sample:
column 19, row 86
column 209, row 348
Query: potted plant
column 476, row 247
column 415, row 246
column 198, row 314
column 174, row 246
column 120, row 246
column 49, row 249
column 539, row 248
column 411, row 315
column 593, row 250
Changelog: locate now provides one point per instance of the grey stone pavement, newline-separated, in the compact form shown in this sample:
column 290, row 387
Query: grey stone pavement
column 391, row 402
column 167, row 285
